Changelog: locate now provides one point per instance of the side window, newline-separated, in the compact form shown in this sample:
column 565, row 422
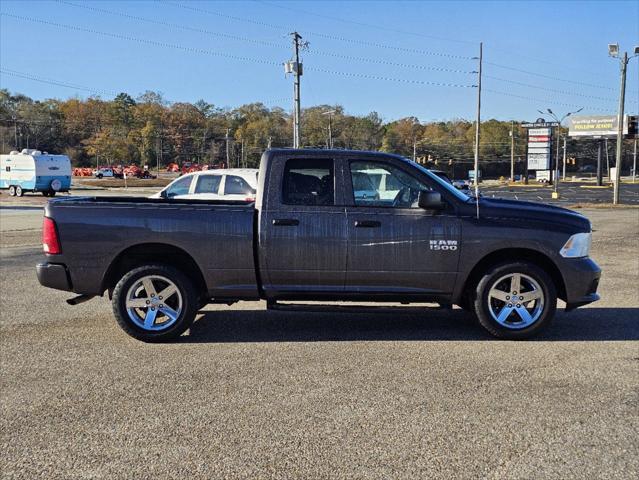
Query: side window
column 382, row 185
column 8, row 169
column 180, row 187
column 237, row 186
column 309, row 182
column 208, row 183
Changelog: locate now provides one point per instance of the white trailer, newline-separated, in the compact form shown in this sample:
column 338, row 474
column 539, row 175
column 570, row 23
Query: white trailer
column 35, row 171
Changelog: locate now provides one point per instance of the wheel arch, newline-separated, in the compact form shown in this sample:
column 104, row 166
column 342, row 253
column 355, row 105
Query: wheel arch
column 153, row 253
column 515, row 254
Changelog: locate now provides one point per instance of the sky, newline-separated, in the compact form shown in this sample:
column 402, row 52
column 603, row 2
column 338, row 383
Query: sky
column 396, row 58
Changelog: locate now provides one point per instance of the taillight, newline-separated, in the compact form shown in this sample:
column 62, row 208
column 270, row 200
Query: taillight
column 50, row 241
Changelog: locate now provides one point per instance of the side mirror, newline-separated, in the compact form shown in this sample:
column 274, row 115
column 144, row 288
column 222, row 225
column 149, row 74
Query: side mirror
column 430, row 200
column 164, row 194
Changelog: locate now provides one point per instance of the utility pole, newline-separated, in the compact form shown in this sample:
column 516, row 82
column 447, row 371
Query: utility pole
column 241, row 163
column 477, row 127
column 329, row 114
column 564, row 175
column 512, row 151
column 622, row 99
column 15, row 132
column 599, row 166
column 414, row 149
column 634, row 163
column 228, row 157
column 297, row 71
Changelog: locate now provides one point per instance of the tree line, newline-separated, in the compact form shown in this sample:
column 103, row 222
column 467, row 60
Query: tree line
column 149, row 130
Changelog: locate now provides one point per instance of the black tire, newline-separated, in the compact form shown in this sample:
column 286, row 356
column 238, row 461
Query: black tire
column 52, row 193
column 185, row 317
column 19, row 191
column 482, row 305
column 12, row 191
column 99, row 175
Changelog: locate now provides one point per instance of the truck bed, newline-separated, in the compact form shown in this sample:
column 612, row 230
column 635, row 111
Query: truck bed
column 95, row 232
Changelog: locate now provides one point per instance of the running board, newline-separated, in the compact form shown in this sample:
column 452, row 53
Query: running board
column 379, row 308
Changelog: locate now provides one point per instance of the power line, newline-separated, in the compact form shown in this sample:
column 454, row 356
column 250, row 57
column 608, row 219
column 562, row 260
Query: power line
column 545, row 102
column 143, row 40
column 261, row 42
column 392, row 79
column 219, row 54
column 528, row 72
column 320, row 34
column 370, row 25
column 49, row 81
column 418, row 34
column 390, row 63
column 172, row 25
column 561, row 92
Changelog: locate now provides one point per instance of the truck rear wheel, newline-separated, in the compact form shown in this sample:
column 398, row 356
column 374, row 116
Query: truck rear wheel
column 12, row 191
column 19, row 191
column 154, row 303
column 515, row 300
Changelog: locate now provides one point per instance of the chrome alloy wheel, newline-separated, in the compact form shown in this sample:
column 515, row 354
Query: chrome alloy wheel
column 154, row 303
column 516, row 301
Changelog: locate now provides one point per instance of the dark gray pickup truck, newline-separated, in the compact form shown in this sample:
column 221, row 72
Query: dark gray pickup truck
column 326, row 225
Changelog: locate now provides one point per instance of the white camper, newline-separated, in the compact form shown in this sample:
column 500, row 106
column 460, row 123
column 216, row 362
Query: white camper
column 35, row 171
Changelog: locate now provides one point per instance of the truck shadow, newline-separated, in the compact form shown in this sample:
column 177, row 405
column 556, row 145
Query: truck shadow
column 226, row 326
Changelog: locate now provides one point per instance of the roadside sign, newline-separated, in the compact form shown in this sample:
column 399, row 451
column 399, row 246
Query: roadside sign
column 540, row 123
column 539, row 144
column 532, row 145
column 540, row 131
column 595, row 126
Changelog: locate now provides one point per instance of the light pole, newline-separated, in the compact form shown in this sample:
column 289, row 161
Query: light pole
column 613, row 51
column 330, row 113
column 560, row 121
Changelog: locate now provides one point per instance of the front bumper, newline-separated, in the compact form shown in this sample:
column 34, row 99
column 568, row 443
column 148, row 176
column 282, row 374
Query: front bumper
column 581, row 278
column 54, row 275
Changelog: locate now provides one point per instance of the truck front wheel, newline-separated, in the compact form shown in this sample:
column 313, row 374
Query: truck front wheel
column 515, row 300
column 19, row 191
column 12, row 191
column 154, row 303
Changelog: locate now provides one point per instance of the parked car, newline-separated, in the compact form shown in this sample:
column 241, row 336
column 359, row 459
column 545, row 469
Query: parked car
column 104, row 172
column 221, row 184
column 308, row 237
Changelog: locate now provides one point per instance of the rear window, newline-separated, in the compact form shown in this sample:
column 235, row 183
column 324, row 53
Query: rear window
column 208, row 184
column 309, row 182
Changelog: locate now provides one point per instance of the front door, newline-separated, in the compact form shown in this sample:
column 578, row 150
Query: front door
column 394, row 246
column 303, row 231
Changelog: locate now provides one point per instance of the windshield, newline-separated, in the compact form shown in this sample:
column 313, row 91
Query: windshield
column 449, row 187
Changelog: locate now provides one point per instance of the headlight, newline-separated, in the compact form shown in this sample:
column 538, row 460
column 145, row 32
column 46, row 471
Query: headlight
column 577, row 246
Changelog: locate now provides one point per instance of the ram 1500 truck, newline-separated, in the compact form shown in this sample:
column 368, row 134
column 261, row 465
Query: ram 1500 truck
column 326, row 225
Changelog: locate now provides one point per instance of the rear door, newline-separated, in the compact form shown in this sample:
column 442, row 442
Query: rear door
column 303, row 228
column 395, row 247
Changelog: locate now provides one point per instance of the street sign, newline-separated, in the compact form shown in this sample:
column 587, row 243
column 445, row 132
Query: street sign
column 540, row 124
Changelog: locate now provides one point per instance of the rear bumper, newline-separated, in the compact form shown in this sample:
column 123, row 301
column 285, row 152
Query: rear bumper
column 581, row 277
column 54, row 275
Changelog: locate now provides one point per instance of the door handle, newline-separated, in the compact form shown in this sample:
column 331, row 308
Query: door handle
column 367, row 224
column 286, row 222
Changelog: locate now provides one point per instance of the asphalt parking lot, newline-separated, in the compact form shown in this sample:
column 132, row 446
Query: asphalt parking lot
column 254, row 393
column 570, row 193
